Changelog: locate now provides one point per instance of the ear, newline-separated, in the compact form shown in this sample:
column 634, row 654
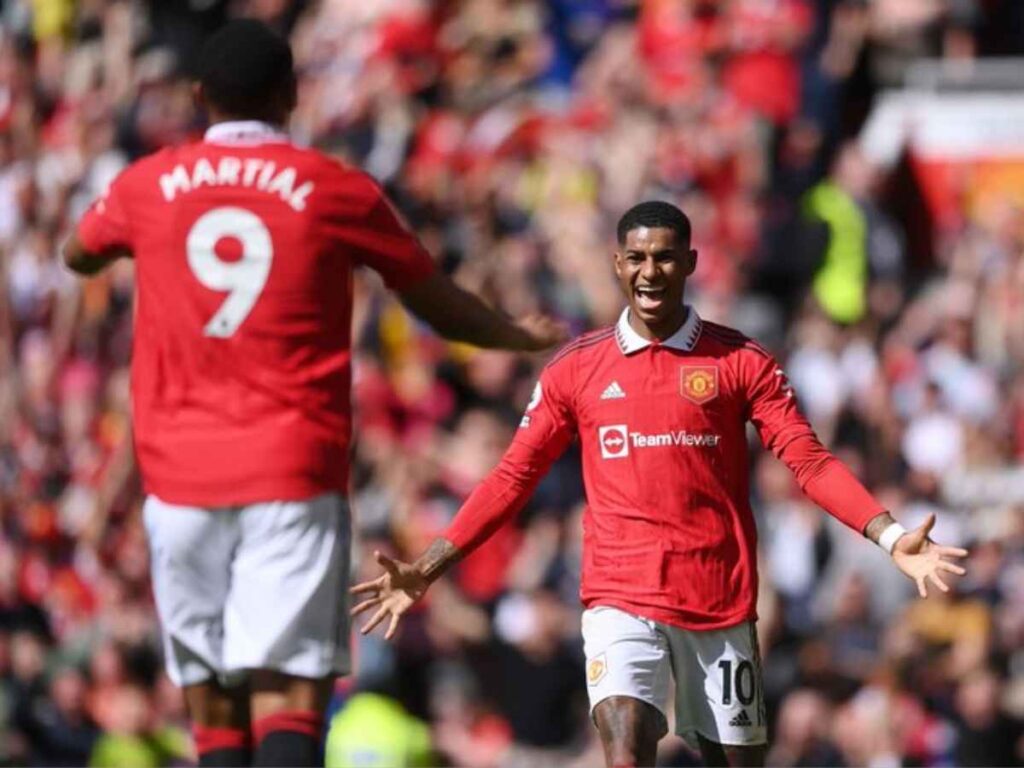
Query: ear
column 617, row 263
column 691, row 261
column 293, row 94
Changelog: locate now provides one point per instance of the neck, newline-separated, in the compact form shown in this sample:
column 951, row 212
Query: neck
column 223, row 117
column 661, row 330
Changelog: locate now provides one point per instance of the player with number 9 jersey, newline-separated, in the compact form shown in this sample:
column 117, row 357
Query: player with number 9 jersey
column 244, row 246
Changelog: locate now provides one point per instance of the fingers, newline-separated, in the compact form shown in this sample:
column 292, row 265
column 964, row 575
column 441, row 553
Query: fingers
column 367, row 586
column 921, row 589
column 376, row 619
column 934, row 578
column 386, row 563
column 393, row 627
column 929, row 523
column 951, row 568
column 953, row 552
column 365, row 606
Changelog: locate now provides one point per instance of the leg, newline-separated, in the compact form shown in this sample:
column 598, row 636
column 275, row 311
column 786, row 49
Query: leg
column 719, row 694
column 286, row 621
column 220, row 723
column 731, row 755
column 630, row 730
column 628, row 672
column 287, row 717
column 190, row 556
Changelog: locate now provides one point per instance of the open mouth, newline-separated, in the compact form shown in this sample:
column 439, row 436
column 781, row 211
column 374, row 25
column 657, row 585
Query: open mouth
column 649, row 298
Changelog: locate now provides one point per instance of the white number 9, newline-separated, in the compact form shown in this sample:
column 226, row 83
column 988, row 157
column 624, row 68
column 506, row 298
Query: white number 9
column 243, row 279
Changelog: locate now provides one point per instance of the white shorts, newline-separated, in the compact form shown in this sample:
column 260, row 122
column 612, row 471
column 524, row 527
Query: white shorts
column 719, row 693
column 261, row 586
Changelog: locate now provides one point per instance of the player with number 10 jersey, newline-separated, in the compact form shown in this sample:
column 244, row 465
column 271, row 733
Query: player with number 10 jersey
column 244, row 245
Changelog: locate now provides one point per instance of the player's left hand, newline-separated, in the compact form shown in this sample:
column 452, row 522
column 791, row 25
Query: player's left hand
column 392, row 594
column 541, row 332
column 921, row 559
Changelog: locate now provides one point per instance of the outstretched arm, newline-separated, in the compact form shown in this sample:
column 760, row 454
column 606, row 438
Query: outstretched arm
column 459, row 315
column 830, row 484
column 494, row 502
column 85, row 262
column 543, row 435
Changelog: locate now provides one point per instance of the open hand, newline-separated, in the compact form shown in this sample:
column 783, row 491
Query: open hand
column 921, row 559
column 392, row 593
column 541, row 332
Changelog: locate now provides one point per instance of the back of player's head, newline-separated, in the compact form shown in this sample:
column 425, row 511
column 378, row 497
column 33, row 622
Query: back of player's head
column 246, row 70
column 654, row 214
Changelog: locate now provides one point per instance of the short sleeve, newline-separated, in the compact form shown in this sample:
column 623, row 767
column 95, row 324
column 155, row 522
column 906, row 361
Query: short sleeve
column 375, row 235
column 105, row 226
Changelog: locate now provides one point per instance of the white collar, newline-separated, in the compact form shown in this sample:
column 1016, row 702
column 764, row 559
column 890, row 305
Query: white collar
column 244, row 132
column 685, row 339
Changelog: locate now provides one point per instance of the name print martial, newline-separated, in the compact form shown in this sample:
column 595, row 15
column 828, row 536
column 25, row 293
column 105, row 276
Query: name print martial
column 233, row 171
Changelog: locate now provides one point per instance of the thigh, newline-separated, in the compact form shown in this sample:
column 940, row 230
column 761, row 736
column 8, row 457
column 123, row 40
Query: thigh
column 627, row 656
column 273, row 692
column 719, row 692
column 190, row 560
column 287, row 609
column 629, row 731
column 214, row 706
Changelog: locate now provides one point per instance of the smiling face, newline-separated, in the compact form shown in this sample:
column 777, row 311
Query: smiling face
column 652, row 267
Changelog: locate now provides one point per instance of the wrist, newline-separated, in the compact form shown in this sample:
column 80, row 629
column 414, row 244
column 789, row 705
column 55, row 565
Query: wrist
column 888, row 538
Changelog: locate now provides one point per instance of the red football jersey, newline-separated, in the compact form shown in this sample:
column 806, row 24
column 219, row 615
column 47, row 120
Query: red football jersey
column 668, row 532
column 244, row 247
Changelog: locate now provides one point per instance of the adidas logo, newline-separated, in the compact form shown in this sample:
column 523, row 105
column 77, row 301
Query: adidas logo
column 741, row 719
column 612, row 391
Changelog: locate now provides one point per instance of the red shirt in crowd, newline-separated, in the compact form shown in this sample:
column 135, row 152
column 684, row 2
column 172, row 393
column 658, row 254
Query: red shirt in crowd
column 244, row 247
column 668, row 532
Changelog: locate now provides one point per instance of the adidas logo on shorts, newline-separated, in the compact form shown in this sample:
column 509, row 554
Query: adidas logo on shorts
column 742, row 719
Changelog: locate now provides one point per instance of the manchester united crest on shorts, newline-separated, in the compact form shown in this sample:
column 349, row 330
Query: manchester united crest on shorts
column 698, row 383
column 597, row 668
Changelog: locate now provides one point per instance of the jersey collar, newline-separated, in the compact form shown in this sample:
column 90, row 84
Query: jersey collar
column 685, row 339
column 244, row 132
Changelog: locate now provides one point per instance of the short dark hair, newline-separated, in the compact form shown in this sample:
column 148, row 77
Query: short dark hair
column 244, row 68
column 654, row 213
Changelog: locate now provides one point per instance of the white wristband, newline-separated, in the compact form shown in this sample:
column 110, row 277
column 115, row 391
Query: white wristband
column 890, row 536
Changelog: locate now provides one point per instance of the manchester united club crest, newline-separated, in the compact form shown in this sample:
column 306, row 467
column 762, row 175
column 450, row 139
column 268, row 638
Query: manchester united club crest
column 698, row 383
column 597, row 668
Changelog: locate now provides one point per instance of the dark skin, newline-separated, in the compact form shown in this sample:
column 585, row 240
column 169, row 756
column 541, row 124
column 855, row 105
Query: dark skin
column 652, row 267
column 453, row 312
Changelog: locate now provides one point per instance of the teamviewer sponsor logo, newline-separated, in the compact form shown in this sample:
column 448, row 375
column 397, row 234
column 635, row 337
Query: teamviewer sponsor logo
column 614, row 441
column 617, row 440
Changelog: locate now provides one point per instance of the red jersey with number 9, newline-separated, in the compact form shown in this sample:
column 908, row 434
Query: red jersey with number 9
column 244, row 247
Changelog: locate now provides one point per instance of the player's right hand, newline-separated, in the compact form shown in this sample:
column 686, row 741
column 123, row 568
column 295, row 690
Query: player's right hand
column 541, row 332
column 392, row 593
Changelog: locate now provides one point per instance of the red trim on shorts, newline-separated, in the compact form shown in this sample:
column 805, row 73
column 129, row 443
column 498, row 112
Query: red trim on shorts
column 208, row 739
column 304, row 722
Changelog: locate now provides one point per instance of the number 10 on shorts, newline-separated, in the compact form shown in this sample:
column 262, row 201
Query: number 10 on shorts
column 743, row 681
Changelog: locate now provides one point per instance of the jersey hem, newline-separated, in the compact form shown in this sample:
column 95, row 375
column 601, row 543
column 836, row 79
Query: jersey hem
column 666, row 616
column 190, row 497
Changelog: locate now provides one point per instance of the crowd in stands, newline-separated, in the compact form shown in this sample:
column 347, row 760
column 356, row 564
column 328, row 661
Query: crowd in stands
column 511, row 135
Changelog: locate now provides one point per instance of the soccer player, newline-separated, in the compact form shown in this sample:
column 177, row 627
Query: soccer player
column 244, row 246
column 660, row 402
